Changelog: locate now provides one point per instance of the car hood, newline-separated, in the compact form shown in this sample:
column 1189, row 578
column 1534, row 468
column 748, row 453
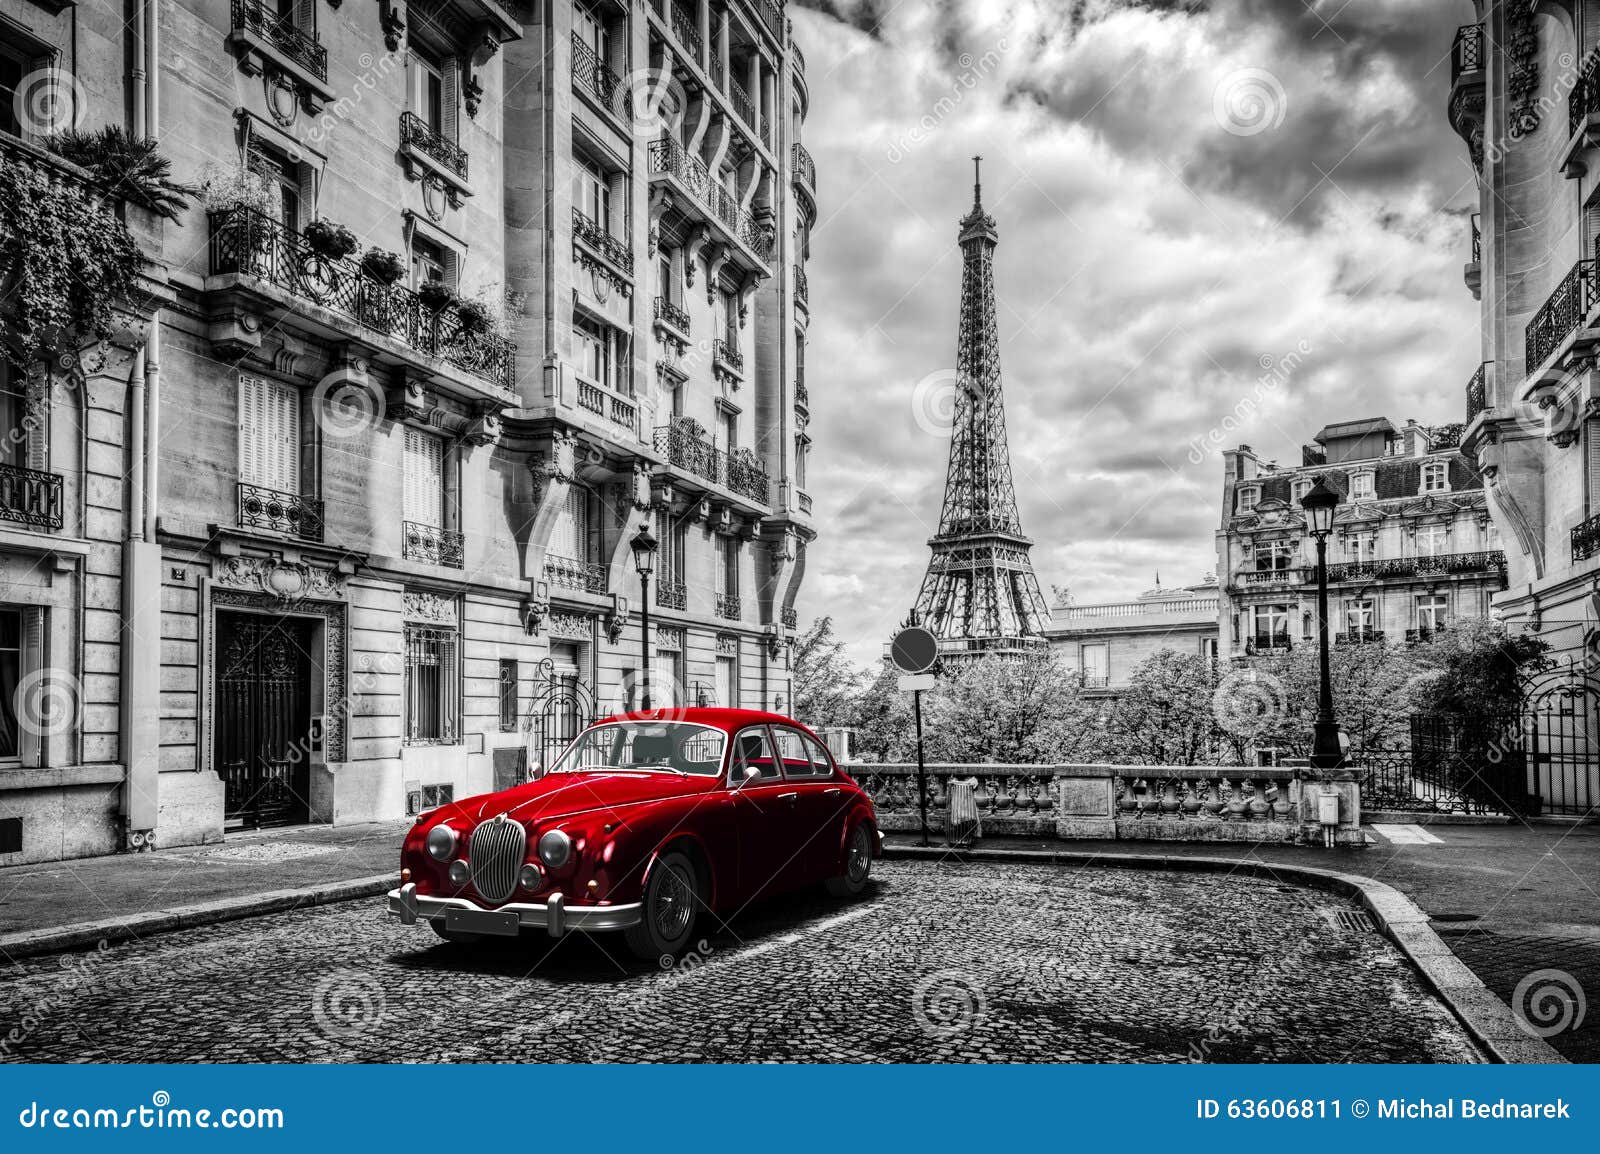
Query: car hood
column 562, row 795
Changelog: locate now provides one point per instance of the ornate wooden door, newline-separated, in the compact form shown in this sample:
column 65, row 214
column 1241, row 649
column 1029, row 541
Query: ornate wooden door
column 262, row 718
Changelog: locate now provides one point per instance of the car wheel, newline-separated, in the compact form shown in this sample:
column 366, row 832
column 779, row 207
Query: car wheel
column 437, row 925
column 857, row 864
column 672, row 901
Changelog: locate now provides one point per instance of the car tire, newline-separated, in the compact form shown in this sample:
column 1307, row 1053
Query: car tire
column 672, row 902
column 437, row 926
column 857, row 864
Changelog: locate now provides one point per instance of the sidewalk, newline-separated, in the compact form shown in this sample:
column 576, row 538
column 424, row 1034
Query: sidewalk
column 1509, row 900
column 71, row 904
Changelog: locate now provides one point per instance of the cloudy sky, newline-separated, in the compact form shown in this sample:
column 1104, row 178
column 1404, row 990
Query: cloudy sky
column 1190, row 197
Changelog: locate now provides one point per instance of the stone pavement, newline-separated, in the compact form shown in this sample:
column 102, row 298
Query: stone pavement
column 949, row 962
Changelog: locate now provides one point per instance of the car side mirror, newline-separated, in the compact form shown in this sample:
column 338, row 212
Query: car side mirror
column 750, row 771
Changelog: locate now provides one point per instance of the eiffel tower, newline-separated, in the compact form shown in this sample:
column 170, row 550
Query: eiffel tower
column 980, row 595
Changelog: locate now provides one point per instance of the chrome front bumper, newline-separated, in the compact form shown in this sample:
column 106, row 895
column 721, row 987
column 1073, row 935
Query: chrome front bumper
column 554, row 915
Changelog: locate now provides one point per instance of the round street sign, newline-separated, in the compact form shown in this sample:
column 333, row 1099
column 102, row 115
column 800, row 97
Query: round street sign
column 914, row 649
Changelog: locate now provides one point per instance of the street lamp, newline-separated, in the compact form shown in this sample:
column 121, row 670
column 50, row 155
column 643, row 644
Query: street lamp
column 1319, row 505
column 644, row 560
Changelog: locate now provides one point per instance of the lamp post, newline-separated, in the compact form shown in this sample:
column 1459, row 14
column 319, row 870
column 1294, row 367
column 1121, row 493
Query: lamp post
column 1319, row 505
column 644, row 560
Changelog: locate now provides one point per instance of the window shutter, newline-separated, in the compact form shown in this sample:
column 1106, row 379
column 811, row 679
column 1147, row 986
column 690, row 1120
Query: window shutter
column 451, row 99
column 249, row 427
column 36, row 424
column 305, row 15
column 424, row 479
column 30, row 738
column 269, row 434
column 1591, row 442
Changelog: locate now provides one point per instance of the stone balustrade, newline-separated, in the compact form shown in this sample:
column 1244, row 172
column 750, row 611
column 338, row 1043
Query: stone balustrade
column 1121, row 802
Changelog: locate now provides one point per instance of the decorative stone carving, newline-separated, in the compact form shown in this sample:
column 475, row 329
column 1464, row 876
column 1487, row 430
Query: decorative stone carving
column 727, row 645
column 573, row 626
column 1522, row 71
column 283, row 583
column 616, row 619
column 437, row 608
column 483, row 431
column 391, row 18
column 533, row 614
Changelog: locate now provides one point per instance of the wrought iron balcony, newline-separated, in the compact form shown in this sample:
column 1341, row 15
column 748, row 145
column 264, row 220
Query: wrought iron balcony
column 729, row 606
column 418, row 136
column 805, row 169
column 747, row 476
column 1477, row 239
column 1561, row 315
column 725, row 352
column 674, row 316
column 591, row 74
column 1466, row 53
column 684, row 448
column 294, row 42
column 291, row 513
column 30, row 497
column 1586, row 539
column 251, row 243
column 1481, row 561
column 790, row 617
column 1584, row 97
column 686, row 27
column 672, row 595
column 804, row 500
column 802, row 290
column 771, row 13
column 743, row 105
column 802, row 396
column 1477, row 393
column 668, row 158
column 593, row 234
column 432, row 545
column 570, row 573
column 1358, row 637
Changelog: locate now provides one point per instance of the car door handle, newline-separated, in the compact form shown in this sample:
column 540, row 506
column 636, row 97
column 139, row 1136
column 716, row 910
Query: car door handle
column 787, row 796
column 831, row 792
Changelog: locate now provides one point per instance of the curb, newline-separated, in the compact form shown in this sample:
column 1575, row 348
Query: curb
column 1487, row 1019
column 58, row 939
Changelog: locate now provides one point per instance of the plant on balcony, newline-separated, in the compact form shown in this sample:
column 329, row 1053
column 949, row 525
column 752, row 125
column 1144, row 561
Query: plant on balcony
column 64, row 263
column 435, row 295
column 330, row 239
column 474, row 315
column 383, row 266
column 746, row 458
column 689, row 427
column 129, row 168
column 230, row 186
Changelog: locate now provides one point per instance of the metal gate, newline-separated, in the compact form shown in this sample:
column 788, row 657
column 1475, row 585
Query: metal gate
column 562, row 707
column 263, row 706
column 1562, row 720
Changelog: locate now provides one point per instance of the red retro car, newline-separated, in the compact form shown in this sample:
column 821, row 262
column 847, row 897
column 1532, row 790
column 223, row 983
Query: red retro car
column 643, row 822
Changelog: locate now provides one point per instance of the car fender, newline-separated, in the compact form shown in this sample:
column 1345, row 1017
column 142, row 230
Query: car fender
column 676, row 836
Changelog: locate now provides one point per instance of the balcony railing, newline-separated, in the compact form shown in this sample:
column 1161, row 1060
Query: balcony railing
column 724, row 351
column 798, row 56
column 1566, row 309
column 1288, row 575
column 729, row 606
column 1466, row 53
column 283, row 34
column 291, row 513
column 672, row 595
column 671, row 314
column 743, row 105
column 747, row 477
column 1584, row 97
column 789, row 617
column 804, row 500
column 249, row 242
column 740, row 471
column 804, row 167
column 668, row 158
column 1477, row 393
column 802, row 396
column 1586, row 538
column 1484, row 560
column 30, row 497
column 589, row 72
column 1358, row 637
column 570, row 573
column 802, row 289
column 593, row 234
column 686, row 28
column 417, row 135
column 432, row 545
column 623, row 413
column 1266, row 643
column 591, row 397
column 1477, row 239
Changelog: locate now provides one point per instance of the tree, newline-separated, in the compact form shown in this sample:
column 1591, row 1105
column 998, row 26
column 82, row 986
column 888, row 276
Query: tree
column 1166, row 716
column 1024, row 710
column 1371, row 697
column 826, row 682
column 1475, row 669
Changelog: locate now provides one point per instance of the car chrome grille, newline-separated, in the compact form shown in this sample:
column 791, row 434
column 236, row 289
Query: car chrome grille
column 498, row 848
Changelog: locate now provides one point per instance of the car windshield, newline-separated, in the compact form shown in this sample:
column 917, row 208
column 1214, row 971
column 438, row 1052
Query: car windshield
column 659, row 746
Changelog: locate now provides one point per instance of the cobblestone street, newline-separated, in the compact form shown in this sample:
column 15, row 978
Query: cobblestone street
column 938, row 963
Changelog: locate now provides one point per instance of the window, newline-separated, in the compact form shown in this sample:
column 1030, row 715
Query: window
column 1358, row 615
column 1247, row 498
column 666, row 283
column 601, row 353
column 1096, row 663
column 1361, row 486
column 666, row 687
column 1276, row 555
column 670, row 559
column 730, row 431
column 1433, row 540
column 1208, row 649
column 508, row 695
column 432, row 696
column 423, row 497
column 728, row 565
column 17, row 61
column 1270, row 624
column 591, row 192
column 751, row 750
column 727, row 683
column 572, row 536
column 1435, row 477
column 433, row 96
column 821, row 763
column 428, row 262
column 10, row 678
column 590, row 29
column 1361, row 547
column 802, row 453
column 1433, row 611
column 22, row 440
column 792, row 751
column 1299, row 489
column 269, row 435
column 728, row 306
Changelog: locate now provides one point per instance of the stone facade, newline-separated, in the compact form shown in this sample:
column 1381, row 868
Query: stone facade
column 1104, row 642
column 386, row 553
column 1413, row 546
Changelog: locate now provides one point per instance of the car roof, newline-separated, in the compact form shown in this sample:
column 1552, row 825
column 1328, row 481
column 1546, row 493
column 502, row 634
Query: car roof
column 725, row 719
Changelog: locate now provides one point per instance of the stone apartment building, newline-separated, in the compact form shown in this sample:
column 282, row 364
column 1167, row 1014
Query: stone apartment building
column 1525, row 98
column 1413, row 545
column 376, row 554
column 1105, row 641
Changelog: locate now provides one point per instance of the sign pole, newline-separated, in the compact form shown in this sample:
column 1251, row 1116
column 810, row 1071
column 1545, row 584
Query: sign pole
column 922, row 772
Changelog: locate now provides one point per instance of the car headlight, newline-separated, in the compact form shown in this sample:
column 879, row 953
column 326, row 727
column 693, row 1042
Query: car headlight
column 460, row 873
column 441, row 842
column 555, row 849
column 531, row 877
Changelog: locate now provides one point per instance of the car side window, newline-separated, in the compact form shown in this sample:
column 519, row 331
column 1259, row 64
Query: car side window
column 752, row 749
column 793, row 752
column 822, row 764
